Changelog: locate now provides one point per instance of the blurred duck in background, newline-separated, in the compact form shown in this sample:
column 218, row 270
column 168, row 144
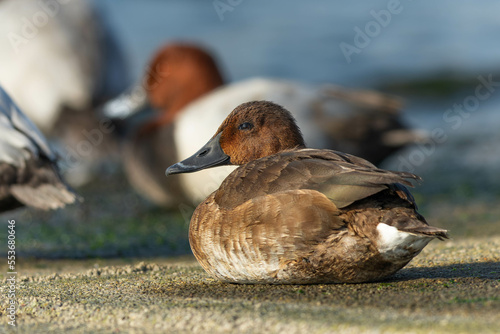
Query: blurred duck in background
column 185, row 88
column 28, row 168
column 59, row 60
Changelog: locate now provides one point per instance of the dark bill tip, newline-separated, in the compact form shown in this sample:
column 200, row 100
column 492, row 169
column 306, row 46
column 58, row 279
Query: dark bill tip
column 210, row 155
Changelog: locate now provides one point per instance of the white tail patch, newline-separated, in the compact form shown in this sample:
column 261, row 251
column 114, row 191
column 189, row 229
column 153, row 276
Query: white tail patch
column 395, row 245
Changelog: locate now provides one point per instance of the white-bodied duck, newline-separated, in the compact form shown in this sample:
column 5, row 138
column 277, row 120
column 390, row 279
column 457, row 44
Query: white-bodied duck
column 184, row 86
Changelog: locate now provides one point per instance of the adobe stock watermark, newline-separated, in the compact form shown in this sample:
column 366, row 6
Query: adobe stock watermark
column 372, row 29
column 11, row 273
column 453, row 119
column 223, row 6
column 29, row 26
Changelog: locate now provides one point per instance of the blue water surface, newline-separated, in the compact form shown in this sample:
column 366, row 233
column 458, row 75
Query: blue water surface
column 301, row 39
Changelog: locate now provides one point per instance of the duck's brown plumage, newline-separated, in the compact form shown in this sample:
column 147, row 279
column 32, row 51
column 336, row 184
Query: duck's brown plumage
column 313, row 223
column 300, row 215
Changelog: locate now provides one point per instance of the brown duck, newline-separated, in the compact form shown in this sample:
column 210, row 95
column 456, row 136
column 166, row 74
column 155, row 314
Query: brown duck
column 290, row 214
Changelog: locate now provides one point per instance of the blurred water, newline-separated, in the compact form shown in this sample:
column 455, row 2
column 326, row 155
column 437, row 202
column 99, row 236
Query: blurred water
column 300, row 40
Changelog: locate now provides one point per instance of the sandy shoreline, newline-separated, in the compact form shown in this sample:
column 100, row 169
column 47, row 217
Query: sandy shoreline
column 451, row 287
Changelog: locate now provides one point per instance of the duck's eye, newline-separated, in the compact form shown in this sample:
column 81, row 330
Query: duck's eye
column 245, row 126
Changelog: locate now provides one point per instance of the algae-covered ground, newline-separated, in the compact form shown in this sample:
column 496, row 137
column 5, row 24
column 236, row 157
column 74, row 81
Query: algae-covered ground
column 83, row 270
column 452, row 286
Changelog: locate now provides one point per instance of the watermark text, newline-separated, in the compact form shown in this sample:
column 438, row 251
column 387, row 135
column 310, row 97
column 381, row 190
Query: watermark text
column 11, row 273
column 453, row 119
column 364, row 35
column 223, row 6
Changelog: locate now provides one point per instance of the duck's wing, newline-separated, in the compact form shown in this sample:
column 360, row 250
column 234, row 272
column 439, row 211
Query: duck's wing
column 28, row 169
column 341, row 177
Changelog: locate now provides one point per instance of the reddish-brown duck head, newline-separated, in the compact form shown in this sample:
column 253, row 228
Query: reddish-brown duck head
column 251, row 131
column 179, row 74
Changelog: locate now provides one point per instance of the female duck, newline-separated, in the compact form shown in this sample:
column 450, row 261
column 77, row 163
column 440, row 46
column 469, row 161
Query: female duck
column 27, row 164
column 290, row 214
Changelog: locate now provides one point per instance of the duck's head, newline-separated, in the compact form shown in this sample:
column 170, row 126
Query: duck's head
column 251, row 131
column 178, row 74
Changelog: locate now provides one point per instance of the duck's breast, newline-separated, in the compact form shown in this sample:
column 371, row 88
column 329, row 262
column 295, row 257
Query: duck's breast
column 258, row 241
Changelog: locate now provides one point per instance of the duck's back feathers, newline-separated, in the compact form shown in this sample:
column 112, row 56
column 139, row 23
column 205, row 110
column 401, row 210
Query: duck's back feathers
column 341, row 177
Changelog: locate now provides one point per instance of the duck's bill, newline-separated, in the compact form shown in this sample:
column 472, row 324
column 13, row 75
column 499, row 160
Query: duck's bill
column 210, row 155
column 127, row 104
